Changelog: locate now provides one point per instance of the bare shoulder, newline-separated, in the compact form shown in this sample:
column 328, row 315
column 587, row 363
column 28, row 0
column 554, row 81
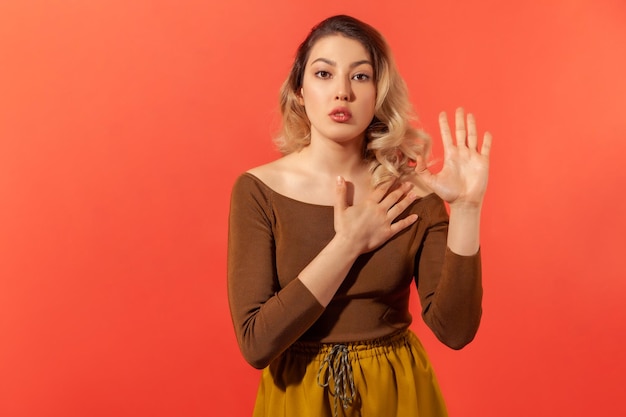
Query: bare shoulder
column 276, row 174
column 265, row 172
column 291, row 177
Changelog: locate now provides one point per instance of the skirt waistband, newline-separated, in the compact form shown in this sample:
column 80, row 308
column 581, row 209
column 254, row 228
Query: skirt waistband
column 358, row 349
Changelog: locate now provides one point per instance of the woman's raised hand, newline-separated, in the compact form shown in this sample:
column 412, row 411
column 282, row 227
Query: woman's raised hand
column 463, row 178
column 372, row 222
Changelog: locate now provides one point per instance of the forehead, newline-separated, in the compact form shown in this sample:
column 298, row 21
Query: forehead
column 339, row 49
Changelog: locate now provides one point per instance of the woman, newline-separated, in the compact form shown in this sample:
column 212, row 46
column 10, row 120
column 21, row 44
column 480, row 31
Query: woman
column 324, row 243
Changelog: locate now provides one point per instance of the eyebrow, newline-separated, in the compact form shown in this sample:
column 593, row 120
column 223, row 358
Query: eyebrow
column 334, row 64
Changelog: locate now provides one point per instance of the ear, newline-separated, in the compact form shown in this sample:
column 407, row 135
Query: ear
column 300, row 96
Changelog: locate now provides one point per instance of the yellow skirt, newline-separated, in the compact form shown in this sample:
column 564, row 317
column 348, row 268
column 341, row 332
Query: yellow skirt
column 389, row 377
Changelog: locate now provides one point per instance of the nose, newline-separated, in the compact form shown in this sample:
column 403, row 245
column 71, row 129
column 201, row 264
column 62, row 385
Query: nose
column 344, row 90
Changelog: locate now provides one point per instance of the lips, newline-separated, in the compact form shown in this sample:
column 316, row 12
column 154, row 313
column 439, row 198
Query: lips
column 340, row 114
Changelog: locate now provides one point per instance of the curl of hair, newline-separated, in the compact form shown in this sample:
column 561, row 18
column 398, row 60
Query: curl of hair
column 392, row 144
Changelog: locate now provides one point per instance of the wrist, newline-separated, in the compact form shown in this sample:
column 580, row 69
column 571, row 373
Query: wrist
column 466, row 208
column 342, row 244
column 464, row 229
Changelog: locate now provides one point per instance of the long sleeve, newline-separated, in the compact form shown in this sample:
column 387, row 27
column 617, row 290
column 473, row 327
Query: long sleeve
column 449, row 285
column 267, row 318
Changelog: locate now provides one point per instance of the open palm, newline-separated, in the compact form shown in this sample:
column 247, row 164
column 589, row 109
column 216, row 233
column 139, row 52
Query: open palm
column 463, row 178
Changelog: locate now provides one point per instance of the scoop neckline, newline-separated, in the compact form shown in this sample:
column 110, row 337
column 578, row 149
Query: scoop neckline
column 285, row 197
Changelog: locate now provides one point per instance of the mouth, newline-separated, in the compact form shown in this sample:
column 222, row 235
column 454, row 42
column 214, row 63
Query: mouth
column 340, row 114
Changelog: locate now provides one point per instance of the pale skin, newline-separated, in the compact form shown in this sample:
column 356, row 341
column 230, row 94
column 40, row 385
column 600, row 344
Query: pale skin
column 330, row 170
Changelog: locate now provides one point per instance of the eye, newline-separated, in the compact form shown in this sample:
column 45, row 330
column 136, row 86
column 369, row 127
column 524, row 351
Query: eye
column 322, row 74
column 361, row 77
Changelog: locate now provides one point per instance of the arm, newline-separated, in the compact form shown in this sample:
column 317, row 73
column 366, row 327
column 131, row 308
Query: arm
column 267, row 318
column 449, row 285
column 451, row 303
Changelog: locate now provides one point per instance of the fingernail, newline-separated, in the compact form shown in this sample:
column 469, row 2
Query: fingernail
column 339, row 180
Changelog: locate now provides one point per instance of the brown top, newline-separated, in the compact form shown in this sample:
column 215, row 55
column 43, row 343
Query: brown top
column 273, row 237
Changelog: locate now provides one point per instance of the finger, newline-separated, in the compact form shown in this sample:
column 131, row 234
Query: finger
column 486, row 147
column 400, row 206
column 394, row 197
column 444, row 127
column 341, row 202
column 459, row 122
column 381, row 191
column 403, row 224
column 472, row 136
column 421, row 169
column 420, row 163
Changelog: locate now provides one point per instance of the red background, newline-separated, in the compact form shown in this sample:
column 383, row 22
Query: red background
column 124, row 124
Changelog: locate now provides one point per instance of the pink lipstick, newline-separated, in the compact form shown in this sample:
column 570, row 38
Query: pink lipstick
column 340, row 114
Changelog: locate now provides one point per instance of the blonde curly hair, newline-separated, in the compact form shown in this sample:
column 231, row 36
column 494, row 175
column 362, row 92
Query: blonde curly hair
column 392, row 143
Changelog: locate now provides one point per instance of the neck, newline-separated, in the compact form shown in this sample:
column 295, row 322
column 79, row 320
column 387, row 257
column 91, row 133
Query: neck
column 332, row 158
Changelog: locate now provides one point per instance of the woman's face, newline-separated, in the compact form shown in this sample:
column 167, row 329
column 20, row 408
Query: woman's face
column 338, row 89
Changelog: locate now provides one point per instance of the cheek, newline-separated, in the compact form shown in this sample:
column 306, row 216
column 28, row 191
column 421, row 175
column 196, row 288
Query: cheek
column 368, row 93
column 310, row 96
column 369, row 99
